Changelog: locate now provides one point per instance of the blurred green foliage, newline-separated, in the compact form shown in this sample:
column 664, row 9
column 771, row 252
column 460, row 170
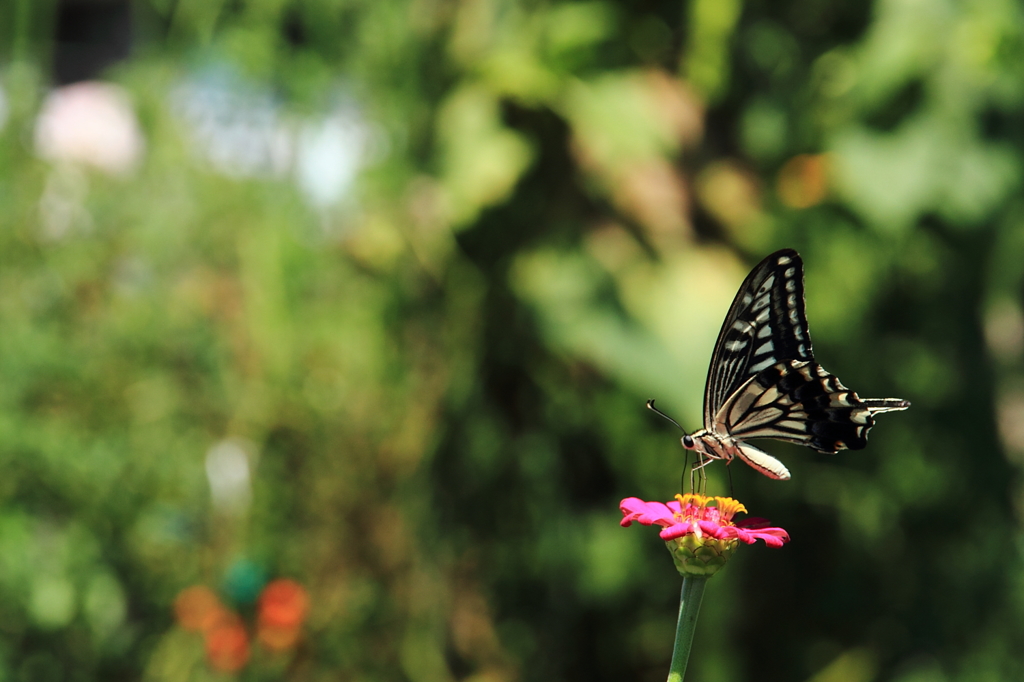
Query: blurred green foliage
column 378, row 305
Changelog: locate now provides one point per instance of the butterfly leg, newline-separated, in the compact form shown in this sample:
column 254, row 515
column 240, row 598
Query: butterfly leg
column 698, row 470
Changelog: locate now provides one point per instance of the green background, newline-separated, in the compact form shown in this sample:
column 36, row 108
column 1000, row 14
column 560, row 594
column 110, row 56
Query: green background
column 437, row 373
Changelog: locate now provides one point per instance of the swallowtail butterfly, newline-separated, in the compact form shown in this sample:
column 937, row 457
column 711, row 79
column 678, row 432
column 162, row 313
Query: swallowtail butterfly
column 764, row 382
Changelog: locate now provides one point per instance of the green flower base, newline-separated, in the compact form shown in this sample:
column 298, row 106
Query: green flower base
column 701, row 557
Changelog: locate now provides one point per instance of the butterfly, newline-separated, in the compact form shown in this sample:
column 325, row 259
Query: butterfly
column 764, row 382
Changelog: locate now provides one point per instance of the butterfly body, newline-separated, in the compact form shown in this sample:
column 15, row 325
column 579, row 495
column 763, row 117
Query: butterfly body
column 764, row 383
column 710, row 445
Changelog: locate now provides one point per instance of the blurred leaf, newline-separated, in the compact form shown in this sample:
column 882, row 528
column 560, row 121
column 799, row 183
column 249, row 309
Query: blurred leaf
column 706, row 61
column 482, row 159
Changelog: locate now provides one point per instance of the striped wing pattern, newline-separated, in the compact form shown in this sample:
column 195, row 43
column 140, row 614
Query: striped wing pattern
column 764, row 382
column 765, row 324
column 798, row 401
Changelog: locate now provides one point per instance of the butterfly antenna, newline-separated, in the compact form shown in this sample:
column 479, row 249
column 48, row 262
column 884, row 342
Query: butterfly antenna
column 650, row 406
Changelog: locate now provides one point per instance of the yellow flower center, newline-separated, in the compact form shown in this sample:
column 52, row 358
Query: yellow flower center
column 695, row 507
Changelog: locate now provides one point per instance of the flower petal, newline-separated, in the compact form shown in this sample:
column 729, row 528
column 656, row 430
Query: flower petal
column 682, row 517
column 647, row 513
column 676, row 530
column 773, row 537
column 714, row 530
column 729, row 507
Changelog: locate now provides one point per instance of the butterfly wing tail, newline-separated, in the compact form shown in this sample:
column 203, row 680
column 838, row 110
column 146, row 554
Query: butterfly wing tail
column 881, row 405
column 844, row 422
column 802, row 403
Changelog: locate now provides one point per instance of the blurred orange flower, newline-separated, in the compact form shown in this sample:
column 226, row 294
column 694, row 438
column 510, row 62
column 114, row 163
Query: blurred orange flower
column 803, row 181
column 283, row 603
column 197, row 608
column 283, row 606
column 227, row 644
column 281, row 610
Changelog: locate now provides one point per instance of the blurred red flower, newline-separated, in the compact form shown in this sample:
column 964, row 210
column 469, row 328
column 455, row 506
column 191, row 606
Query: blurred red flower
column 283, row 603
column 227, row 643
column 282, row 608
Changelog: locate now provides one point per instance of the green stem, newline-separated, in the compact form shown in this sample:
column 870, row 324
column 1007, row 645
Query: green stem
column 689, row 607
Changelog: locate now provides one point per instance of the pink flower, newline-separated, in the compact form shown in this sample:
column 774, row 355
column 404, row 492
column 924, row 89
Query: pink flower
column 91, row 123
column 701, row 536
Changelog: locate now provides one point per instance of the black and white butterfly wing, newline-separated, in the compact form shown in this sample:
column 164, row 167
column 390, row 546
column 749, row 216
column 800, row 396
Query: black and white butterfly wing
column 764, row 382
column 766, row 324
column 798, row 401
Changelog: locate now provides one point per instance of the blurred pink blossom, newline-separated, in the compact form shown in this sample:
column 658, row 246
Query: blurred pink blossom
column 91, row 123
